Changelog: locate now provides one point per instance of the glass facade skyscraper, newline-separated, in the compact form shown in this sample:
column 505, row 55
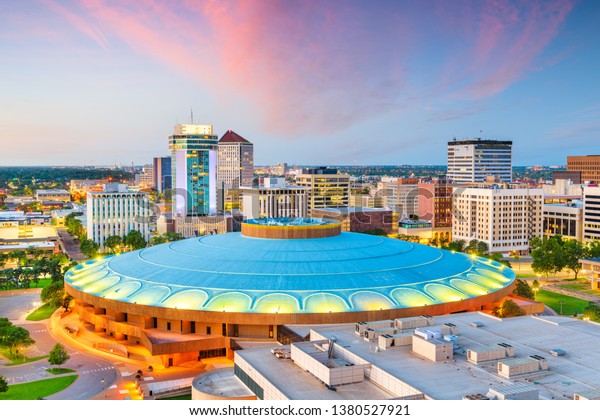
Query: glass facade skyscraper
column 194, row 168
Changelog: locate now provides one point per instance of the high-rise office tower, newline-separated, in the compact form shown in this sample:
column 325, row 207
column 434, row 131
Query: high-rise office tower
column 235, row 161
column 162, row 173
column 194, row 168
column 473, row 160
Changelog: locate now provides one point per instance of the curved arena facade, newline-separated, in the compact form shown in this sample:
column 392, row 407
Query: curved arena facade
column 182, row 298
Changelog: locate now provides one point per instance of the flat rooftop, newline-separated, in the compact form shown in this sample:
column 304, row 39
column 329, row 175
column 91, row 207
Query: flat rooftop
column 297, row 384
column 31, row 232
column 221, row 382
column 578, row 371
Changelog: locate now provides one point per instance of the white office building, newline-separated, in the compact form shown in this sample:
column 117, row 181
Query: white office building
column 473, row 160
column 275, row 199
column 117, row 211
column 505, row 218
column 591, row 213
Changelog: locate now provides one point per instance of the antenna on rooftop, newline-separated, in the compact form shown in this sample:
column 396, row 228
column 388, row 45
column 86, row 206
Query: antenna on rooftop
column 191, row 115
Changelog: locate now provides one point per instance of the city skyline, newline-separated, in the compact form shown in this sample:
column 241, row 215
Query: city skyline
column 99, row 83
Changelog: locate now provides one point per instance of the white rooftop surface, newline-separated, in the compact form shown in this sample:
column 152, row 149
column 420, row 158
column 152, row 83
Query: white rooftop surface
column 221, row 382
column 576, row 372
column 298, row 384
column 162, row 386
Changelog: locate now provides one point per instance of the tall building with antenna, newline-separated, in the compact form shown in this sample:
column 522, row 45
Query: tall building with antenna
column 194, row 169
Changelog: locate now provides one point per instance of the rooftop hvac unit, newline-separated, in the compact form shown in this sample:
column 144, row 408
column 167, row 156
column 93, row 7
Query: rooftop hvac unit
column 557, row 352
column 504, row 345
column 476, row 324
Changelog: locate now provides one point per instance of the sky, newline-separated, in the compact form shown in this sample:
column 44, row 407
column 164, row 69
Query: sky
column 100, row 82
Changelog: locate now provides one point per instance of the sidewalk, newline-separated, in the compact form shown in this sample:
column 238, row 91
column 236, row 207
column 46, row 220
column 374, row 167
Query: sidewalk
column 555, row 287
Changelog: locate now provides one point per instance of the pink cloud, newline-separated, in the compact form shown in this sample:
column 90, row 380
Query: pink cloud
column 505, row 39
column 81, row 24
column 317, row 67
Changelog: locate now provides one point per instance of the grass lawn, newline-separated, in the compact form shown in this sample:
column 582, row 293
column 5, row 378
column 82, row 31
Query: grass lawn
column 576, row 286
column 18, row 360
column 41, row 284
column 59, row 371
column 581, row 287
column 41, row 313
column 526, row 275
column 571, row 305
column 37, row 389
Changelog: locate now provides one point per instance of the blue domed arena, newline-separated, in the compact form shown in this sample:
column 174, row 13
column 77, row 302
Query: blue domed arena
column 348, row 272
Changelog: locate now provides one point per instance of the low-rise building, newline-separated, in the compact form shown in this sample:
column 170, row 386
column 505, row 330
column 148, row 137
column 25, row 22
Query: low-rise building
column 53, row 195
column 275, row 199
column 356, row 219
column 564, row 219
column 432, row 367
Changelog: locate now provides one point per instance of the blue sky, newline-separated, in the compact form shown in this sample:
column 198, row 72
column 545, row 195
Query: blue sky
column 100, row 82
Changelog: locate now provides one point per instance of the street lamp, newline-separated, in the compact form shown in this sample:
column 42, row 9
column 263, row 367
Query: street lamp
column 561, row 304
column 103, row 388
column 535, row 290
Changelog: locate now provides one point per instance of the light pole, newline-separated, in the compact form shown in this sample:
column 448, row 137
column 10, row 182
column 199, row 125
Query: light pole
column 561, row 304
column 535, row 290
column 103, row 388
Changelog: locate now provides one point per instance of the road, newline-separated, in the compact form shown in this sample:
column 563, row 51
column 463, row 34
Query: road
column 91, row 369
column 100, row 375
column 70, row 245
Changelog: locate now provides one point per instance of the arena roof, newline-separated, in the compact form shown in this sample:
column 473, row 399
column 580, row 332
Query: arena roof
column 234, row 273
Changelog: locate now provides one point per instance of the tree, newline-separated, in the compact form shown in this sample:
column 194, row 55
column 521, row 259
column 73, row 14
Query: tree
column 457, row 246
column 58, row 355
column 53, row 294
column 522, row 289
column 89, row 248
column 507, row 309
column 3, row 384
column 573, row 251
column 15, row 337
column 18, row 256
column 548, row 255
column 113, row 243
column 134, row 240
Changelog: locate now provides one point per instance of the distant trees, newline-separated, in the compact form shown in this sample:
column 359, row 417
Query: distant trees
column 89, row 248
column 167, row 237
column 113, row 243
column 134, row 240
column 74, row 226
